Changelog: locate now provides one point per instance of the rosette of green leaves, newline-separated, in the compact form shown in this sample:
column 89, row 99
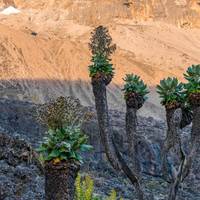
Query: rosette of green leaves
column 101, row 65
column 192, row 75
column 64, row 144
column 170, row 91
column 134, row 84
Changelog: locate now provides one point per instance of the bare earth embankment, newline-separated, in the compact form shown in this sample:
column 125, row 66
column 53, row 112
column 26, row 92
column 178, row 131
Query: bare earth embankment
column 44, row 51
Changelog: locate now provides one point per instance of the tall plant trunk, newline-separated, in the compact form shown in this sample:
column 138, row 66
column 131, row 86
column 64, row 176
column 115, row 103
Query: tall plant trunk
column 196, row 125
column 106, row 134
column 132, row 137
column 178, row 179
column 131, row 175
column 60, row 179
column 105, row 128
column 172, row 138
column 186, row 163
column 174, row 117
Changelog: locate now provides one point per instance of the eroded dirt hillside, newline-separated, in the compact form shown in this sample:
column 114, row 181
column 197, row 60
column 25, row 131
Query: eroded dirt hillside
column 180, row 12
column 44, row 49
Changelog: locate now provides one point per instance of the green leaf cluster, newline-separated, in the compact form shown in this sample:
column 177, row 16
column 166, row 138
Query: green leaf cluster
column 85, row 190
column 133, row 84
column 171, row 91
column 192, row 75
column 101, row 65
column 64, row 144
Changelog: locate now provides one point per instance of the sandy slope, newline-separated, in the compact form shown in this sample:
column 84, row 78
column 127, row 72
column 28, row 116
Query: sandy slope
column 55, row 61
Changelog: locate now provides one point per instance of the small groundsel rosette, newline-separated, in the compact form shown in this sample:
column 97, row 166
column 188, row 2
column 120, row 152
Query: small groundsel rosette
column 171, row 92
column 135, row 91
column 192, row 87
column 101, row 69
column 64, row 144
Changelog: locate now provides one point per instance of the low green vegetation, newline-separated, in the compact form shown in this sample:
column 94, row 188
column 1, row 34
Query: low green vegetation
column 85, row 190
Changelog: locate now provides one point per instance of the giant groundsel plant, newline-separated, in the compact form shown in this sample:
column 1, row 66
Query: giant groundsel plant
column 60, row 149
column 101, row 48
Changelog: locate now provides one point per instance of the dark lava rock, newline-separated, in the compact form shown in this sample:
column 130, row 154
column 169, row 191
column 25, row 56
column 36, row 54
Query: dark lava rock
column 20, row 117
column 21, row 176
column 34, row 33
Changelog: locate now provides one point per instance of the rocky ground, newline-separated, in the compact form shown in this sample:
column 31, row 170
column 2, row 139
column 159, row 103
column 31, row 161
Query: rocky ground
column 21, row 175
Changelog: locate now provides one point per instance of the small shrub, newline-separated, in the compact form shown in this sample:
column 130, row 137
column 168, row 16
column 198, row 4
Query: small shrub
column 113, row 195
column 85, row 190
